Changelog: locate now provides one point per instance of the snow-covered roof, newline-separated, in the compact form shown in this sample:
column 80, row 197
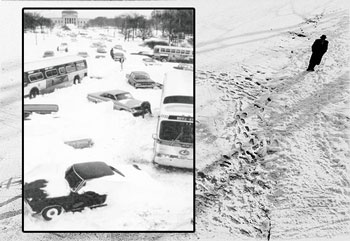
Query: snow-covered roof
column 178, row 83
column 44, row 63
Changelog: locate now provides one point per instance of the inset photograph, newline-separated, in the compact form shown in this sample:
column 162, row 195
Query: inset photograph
column 108, row 118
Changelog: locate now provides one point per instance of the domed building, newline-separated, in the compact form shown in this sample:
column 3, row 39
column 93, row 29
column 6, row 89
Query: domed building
column 70, row 17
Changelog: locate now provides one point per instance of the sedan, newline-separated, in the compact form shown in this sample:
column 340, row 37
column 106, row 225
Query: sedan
column 150, row 61
column 76, row 199
column 48, row 54
column 83, row 54
column 183, row 66
column 101, row 50
column 140, row 79
column 122, row 100
column 118, row 46
column 144, row 53
column 63, row 47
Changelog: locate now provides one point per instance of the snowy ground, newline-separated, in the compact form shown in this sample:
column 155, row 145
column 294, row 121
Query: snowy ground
column 251, row 60
column 149, row 199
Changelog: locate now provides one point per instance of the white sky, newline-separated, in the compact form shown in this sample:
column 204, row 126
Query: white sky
column 92, row 13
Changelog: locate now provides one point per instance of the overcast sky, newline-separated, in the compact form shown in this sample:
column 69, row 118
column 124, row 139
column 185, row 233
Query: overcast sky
column 92, row 13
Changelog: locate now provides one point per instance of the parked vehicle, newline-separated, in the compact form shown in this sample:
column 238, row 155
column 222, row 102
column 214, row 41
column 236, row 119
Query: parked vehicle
column 101, row 50
column 173, row 54
column 144, row 53
column 98, row 44
column 122, row 100
column 77, row 176
column 150, row 62
column 48, row 54
column 118, row 55
column 184, row 66
column 173, row 141
column 83, row 54
column 44, row 76
column 119, row 47
column 100, row 56
column 63, row 47
column 140, row 79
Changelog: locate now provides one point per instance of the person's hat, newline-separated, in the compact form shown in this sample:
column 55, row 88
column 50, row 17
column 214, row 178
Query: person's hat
column 323, row 37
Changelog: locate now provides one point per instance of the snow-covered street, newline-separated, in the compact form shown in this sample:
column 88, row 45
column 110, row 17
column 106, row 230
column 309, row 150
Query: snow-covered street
column 147, row 199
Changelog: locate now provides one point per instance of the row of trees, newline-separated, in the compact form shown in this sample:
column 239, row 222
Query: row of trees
column 170, row 22
column 34, row 20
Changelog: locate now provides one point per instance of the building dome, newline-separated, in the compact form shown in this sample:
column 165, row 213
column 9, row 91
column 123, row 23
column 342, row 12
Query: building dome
column 70, row 17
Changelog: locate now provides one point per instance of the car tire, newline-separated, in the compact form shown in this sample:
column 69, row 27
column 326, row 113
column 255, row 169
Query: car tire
column 51, row 212
column 33, row 93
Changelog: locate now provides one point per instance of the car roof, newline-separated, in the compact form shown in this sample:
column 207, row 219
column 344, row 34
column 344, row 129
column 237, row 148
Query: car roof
column 114, row 92
column 140, row 72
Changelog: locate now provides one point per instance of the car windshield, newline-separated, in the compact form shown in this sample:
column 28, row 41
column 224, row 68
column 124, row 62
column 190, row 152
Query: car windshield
column 142, row 76
column 176, row 131
column 123, row 96
column 63, row 44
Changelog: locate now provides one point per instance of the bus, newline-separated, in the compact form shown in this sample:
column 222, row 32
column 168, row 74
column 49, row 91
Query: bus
column 44, row 76
column 173, row 141
column 173, row 54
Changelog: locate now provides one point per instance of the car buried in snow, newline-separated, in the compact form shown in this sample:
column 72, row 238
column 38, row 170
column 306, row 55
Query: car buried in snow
column 140, row 79
column 83, row 54
column 150, row 62
column 76, row 199
column 118, row 55
column 184, row 66
column 119, row 47
column 48, row 54
column 63, row 47
column 122, row 100
column 101, row 50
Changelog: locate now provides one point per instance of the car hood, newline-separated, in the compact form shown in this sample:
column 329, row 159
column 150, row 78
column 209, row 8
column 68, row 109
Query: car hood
column 144, row 80
column 131, row 103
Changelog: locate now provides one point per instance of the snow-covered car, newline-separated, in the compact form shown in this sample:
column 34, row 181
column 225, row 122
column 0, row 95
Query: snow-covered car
column 144, row 53
column 83, row 54
column 118, row 46
column 48, row 54
column 150, row 62
column 184, row 66
column 122, row 100
column 101, row 50
column 118, row 55
column 63, row 47
column 100, row 56
column 140, row 79
column 98, row 44
column 76, row 176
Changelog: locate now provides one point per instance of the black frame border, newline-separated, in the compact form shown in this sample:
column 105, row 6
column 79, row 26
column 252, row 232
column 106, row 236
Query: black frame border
column 194, row 111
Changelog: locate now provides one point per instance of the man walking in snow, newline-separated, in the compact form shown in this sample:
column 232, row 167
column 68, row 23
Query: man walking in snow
column 121, row 63
column 112, row 54
column 319, row 48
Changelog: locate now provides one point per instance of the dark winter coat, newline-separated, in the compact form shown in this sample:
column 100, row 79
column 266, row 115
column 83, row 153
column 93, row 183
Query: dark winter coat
column 319, row 48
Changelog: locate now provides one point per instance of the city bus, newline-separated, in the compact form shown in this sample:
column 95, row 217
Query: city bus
column 173, row 141
column 173, row 54
column 44, row 76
